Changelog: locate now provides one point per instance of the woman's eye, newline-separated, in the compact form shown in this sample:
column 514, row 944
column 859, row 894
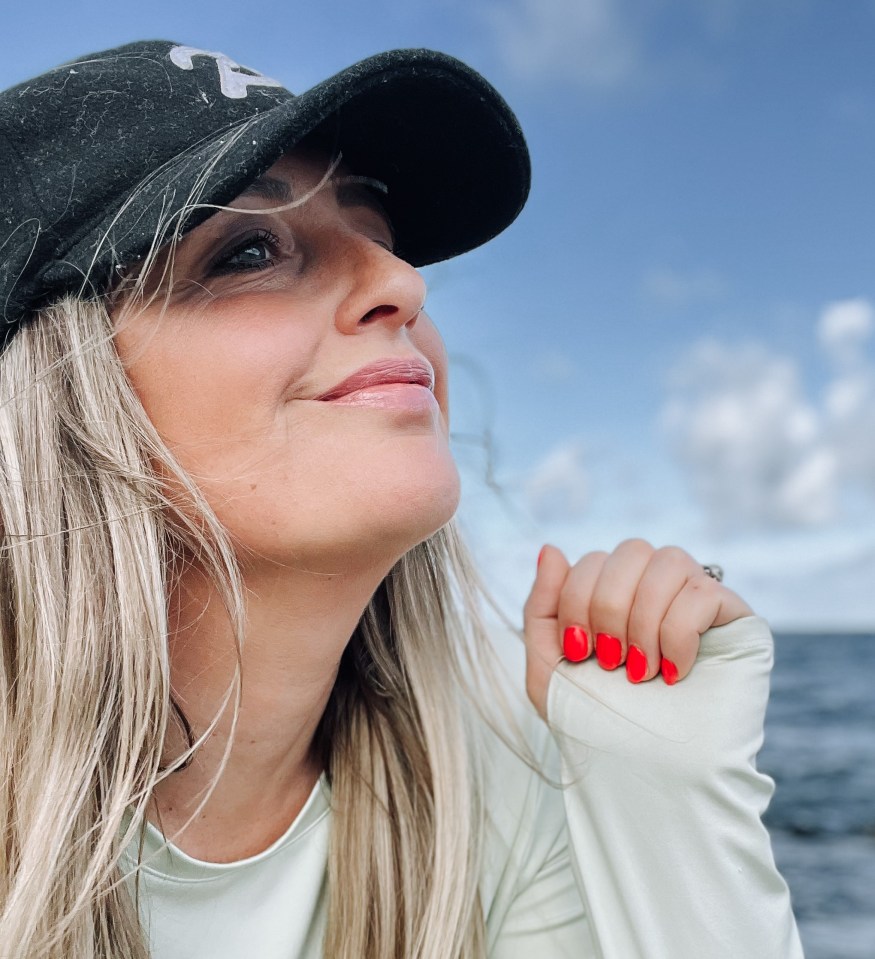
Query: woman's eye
column 254, row 253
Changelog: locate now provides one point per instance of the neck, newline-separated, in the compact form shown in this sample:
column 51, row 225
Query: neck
column 297, row 627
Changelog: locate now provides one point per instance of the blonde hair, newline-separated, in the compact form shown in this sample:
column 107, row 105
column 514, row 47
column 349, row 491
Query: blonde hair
column 90, row 544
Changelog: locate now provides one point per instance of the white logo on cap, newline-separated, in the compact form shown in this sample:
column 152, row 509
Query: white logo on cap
column 235, row 84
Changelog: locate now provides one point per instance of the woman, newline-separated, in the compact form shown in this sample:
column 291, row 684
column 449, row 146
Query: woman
column 244, row 676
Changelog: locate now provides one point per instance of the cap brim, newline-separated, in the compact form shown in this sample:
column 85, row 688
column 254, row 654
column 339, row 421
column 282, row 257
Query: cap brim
column 435, row 132
column 443, row 140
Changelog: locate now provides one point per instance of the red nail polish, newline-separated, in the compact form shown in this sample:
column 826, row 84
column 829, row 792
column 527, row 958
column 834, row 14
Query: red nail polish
column 609, row 650
column 575, row 643
column 541, row 556
column 636, row 664
column 669, row 671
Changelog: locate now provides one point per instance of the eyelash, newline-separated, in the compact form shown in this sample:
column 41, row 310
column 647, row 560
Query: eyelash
column 223, row 265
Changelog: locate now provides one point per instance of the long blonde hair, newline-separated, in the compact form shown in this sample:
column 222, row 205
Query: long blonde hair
column 89, row 547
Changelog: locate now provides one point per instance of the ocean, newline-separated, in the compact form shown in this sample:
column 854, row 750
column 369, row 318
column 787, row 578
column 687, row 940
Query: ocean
column 820, row 749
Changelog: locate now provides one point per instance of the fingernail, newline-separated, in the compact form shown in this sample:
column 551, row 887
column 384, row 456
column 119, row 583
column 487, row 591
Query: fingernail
column 669, row 671
column 636, row 664
column 575, row 643
column 541, row 556
column 609, row 650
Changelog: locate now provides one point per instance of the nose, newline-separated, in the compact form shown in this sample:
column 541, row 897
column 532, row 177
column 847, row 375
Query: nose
column 383, row 289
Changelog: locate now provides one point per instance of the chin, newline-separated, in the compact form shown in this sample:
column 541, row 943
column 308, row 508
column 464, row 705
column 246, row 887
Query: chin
column 403, row 517
column 440, row 509
column 407, row 516
column 350, row 528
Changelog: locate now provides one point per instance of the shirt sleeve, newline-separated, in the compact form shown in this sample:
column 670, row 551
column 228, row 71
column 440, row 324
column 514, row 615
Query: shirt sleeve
column 546, row 917
column 532, row 904
column 664, row 804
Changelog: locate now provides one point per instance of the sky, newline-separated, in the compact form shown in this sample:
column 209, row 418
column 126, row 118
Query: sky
column 675, row 339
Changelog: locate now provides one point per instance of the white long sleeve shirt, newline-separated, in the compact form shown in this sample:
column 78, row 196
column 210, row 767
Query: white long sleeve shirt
column 653, row 848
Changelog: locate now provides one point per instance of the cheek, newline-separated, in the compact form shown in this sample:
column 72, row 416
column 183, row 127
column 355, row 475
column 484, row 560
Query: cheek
column 223, row 383
column 289, row 479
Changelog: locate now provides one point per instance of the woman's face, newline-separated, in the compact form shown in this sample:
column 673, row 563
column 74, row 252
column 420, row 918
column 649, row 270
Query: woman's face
column 244, row 371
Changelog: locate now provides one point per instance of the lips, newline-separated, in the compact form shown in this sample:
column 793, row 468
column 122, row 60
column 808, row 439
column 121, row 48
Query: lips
column 402, row 370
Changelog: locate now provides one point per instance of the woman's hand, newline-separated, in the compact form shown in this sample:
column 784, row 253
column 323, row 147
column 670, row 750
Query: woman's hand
column 639, row 606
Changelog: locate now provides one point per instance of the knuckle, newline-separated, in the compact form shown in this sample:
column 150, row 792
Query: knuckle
column 674, row 556
column 705, row 584
column 596, row 556
column 586, row 568
column 635, row 546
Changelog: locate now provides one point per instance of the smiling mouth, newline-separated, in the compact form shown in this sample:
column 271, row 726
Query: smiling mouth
column 384, row 377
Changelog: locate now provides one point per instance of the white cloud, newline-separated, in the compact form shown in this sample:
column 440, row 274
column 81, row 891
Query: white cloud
column 845, row 330
column 807, row 493
column 673, row 289
column 760, row 449
column 558, row 486
column 845, row 326
column 784, row 462
column 750, row 441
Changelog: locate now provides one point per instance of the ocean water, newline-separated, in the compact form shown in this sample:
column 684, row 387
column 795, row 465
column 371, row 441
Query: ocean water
column 820, row 749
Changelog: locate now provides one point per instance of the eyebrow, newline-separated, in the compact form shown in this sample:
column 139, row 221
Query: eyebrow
column 350, row 191
column 270, row 188
column 359, row 191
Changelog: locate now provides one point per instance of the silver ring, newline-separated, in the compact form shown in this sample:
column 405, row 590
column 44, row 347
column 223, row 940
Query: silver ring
column 714, row 571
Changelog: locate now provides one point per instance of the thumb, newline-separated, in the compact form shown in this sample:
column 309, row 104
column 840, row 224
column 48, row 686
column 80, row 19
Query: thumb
column 541, row 625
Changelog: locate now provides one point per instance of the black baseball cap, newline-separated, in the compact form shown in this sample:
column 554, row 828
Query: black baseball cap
column 144, row 120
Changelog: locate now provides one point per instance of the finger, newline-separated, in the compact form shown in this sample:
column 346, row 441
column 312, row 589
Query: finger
column 574, row 603
column 701, row 604
column 665, row 575
column 612, row 600
column 541, row 626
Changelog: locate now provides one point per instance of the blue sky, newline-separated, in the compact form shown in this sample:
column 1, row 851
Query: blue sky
column 675, row 340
